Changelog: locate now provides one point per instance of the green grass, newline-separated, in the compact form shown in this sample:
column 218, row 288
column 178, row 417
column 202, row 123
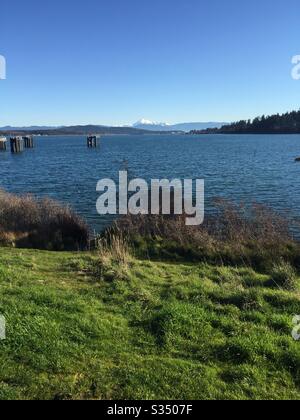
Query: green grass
column 158, row 331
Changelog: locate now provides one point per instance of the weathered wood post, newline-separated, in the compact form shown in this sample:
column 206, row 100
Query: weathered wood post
column 92, row 141
column 28, row 142
column 3, row 142
column 16, row 144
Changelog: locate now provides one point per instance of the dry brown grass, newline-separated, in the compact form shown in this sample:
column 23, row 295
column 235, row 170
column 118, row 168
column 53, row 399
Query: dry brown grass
column 44, row 224
column 114, row 248
column 114, row 257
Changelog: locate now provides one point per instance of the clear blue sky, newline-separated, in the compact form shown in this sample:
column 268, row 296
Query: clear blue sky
column 116, row 61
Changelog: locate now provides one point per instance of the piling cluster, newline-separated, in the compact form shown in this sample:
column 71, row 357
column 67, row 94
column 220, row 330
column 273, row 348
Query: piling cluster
column 17, row 144
column 92, row 141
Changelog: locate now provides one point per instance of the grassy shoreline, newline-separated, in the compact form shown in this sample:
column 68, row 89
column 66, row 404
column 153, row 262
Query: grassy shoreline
column 161, row 330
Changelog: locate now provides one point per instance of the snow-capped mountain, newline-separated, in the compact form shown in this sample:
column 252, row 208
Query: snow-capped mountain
column 145, row 124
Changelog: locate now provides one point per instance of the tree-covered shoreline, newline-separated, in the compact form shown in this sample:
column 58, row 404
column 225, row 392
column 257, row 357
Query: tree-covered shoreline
column 288, row 123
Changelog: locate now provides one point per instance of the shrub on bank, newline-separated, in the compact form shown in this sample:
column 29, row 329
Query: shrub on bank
column 235, row 235
column 27, row 222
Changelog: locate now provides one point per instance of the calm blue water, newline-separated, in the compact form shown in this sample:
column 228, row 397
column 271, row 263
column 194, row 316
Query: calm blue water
column 240, row 168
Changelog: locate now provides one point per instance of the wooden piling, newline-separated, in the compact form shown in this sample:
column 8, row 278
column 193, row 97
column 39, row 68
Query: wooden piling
column 92, row 141
column 16, row 145
column 3, row 143
column 28, row 142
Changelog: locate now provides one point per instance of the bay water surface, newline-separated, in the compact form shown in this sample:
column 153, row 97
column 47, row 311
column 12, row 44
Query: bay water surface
column 247, row 168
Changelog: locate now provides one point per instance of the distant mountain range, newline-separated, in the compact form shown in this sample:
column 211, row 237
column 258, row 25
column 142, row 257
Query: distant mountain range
column 141, row 127
column 30, row 128
column 72, row 130
column 144, row 124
